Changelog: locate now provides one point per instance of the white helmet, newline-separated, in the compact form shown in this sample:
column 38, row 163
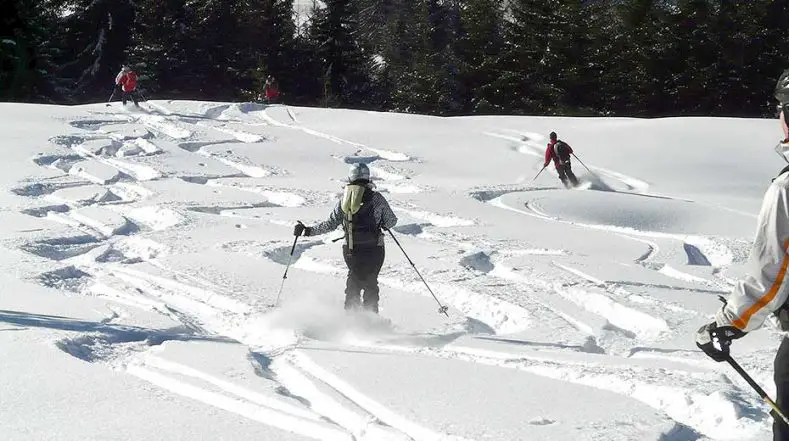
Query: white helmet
column 359, row 171
column 782, row 95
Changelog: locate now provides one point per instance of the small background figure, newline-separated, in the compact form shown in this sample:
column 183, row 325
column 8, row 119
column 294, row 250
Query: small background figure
column 271, row 90
column 126, row 82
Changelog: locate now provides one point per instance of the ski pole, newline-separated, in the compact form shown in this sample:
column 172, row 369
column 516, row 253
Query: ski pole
column 538, row 173
column 112, row 95
column 285, row 276
column 582, row 163
column 776, row 410
column 441, row 308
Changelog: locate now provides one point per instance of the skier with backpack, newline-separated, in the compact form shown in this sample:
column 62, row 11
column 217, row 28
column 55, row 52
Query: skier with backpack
column 762, row 291
column 126, row 83
column 559, row 151
column 364, row 214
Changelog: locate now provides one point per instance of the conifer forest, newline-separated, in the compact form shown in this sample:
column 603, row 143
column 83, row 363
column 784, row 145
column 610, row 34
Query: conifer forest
column 642, row 58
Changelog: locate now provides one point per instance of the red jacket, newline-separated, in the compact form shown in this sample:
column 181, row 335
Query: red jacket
column 128, row 80
column 271, row 91
column 550, row 153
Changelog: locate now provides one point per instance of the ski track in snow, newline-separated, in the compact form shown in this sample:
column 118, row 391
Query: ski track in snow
column 707, row 247
column 245, row 408
column 410, row 429
column 525, row 144
column 714, row 254
column 437, row 220
column 377, row 172
column 200, row 308
column 239, row 135
column 674, row 396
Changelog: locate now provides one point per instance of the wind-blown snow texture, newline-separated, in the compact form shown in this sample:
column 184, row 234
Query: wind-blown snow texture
column 143, row 251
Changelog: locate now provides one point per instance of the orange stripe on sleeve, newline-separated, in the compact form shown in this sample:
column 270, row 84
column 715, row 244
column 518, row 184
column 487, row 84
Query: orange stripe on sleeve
column 742, row 322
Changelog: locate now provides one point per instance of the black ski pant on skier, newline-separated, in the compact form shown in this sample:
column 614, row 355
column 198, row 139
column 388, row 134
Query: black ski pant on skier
column 781, row 376
column 364, row 264
column 566, row 174
column 133, row 96
column 126, row 95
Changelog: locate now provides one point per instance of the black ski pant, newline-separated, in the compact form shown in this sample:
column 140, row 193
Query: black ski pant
column 566, row 174
column 364, row 264
column 781, row 376
column 132, row 95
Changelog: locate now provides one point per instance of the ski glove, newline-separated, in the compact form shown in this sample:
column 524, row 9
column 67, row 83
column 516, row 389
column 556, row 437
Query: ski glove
column 715, row 340
column 300, row 229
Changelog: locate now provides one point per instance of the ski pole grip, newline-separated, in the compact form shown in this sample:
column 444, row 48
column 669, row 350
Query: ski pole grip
column 293, row 248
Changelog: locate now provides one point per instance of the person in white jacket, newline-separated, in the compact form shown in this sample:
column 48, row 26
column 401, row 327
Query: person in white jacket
column 763, row 290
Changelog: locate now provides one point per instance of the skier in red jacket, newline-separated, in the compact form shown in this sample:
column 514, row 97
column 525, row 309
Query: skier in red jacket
column 271, row 90
column 126, row 82
column 559, row 151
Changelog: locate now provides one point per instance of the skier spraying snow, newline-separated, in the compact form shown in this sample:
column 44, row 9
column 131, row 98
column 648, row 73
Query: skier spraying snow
column 126, row 83
column 364, row 214
column 762, row 291
column 559, row 151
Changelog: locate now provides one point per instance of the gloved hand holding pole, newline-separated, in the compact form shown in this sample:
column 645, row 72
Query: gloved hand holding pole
column 285, row 276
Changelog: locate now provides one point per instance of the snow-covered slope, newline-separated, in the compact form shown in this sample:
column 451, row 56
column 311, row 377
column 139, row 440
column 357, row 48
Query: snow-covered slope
column 143, row 251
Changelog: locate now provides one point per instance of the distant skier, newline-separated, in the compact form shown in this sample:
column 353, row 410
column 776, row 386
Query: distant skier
column 559, row 151
column 363, row 214
column 763, row 290
column 271, row 90
column 126, row 82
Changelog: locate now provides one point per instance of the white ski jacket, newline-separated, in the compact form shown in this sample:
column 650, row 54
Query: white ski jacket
column 763, row 290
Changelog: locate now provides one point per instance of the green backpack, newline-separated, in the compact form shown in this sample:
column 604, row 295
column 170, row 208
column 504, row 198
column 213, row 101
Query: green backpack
column 358, row 219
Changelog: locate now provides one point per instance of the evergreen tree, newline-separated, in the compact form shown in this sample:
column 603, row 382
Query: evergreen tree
column 526, row 73
column 691, row 58
column 767, row 33
column 444, row 63
column 268, row 44
column 161, row 48
column 727, row 82
column 412, row 63
column 191, row 49
column 480, row 49
column 345, row 64
column 635, row 61
column 216, row 50
column 92, row 42
column 566, row 55
column 377, row 19
column 25, row 55
column 445, row 57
